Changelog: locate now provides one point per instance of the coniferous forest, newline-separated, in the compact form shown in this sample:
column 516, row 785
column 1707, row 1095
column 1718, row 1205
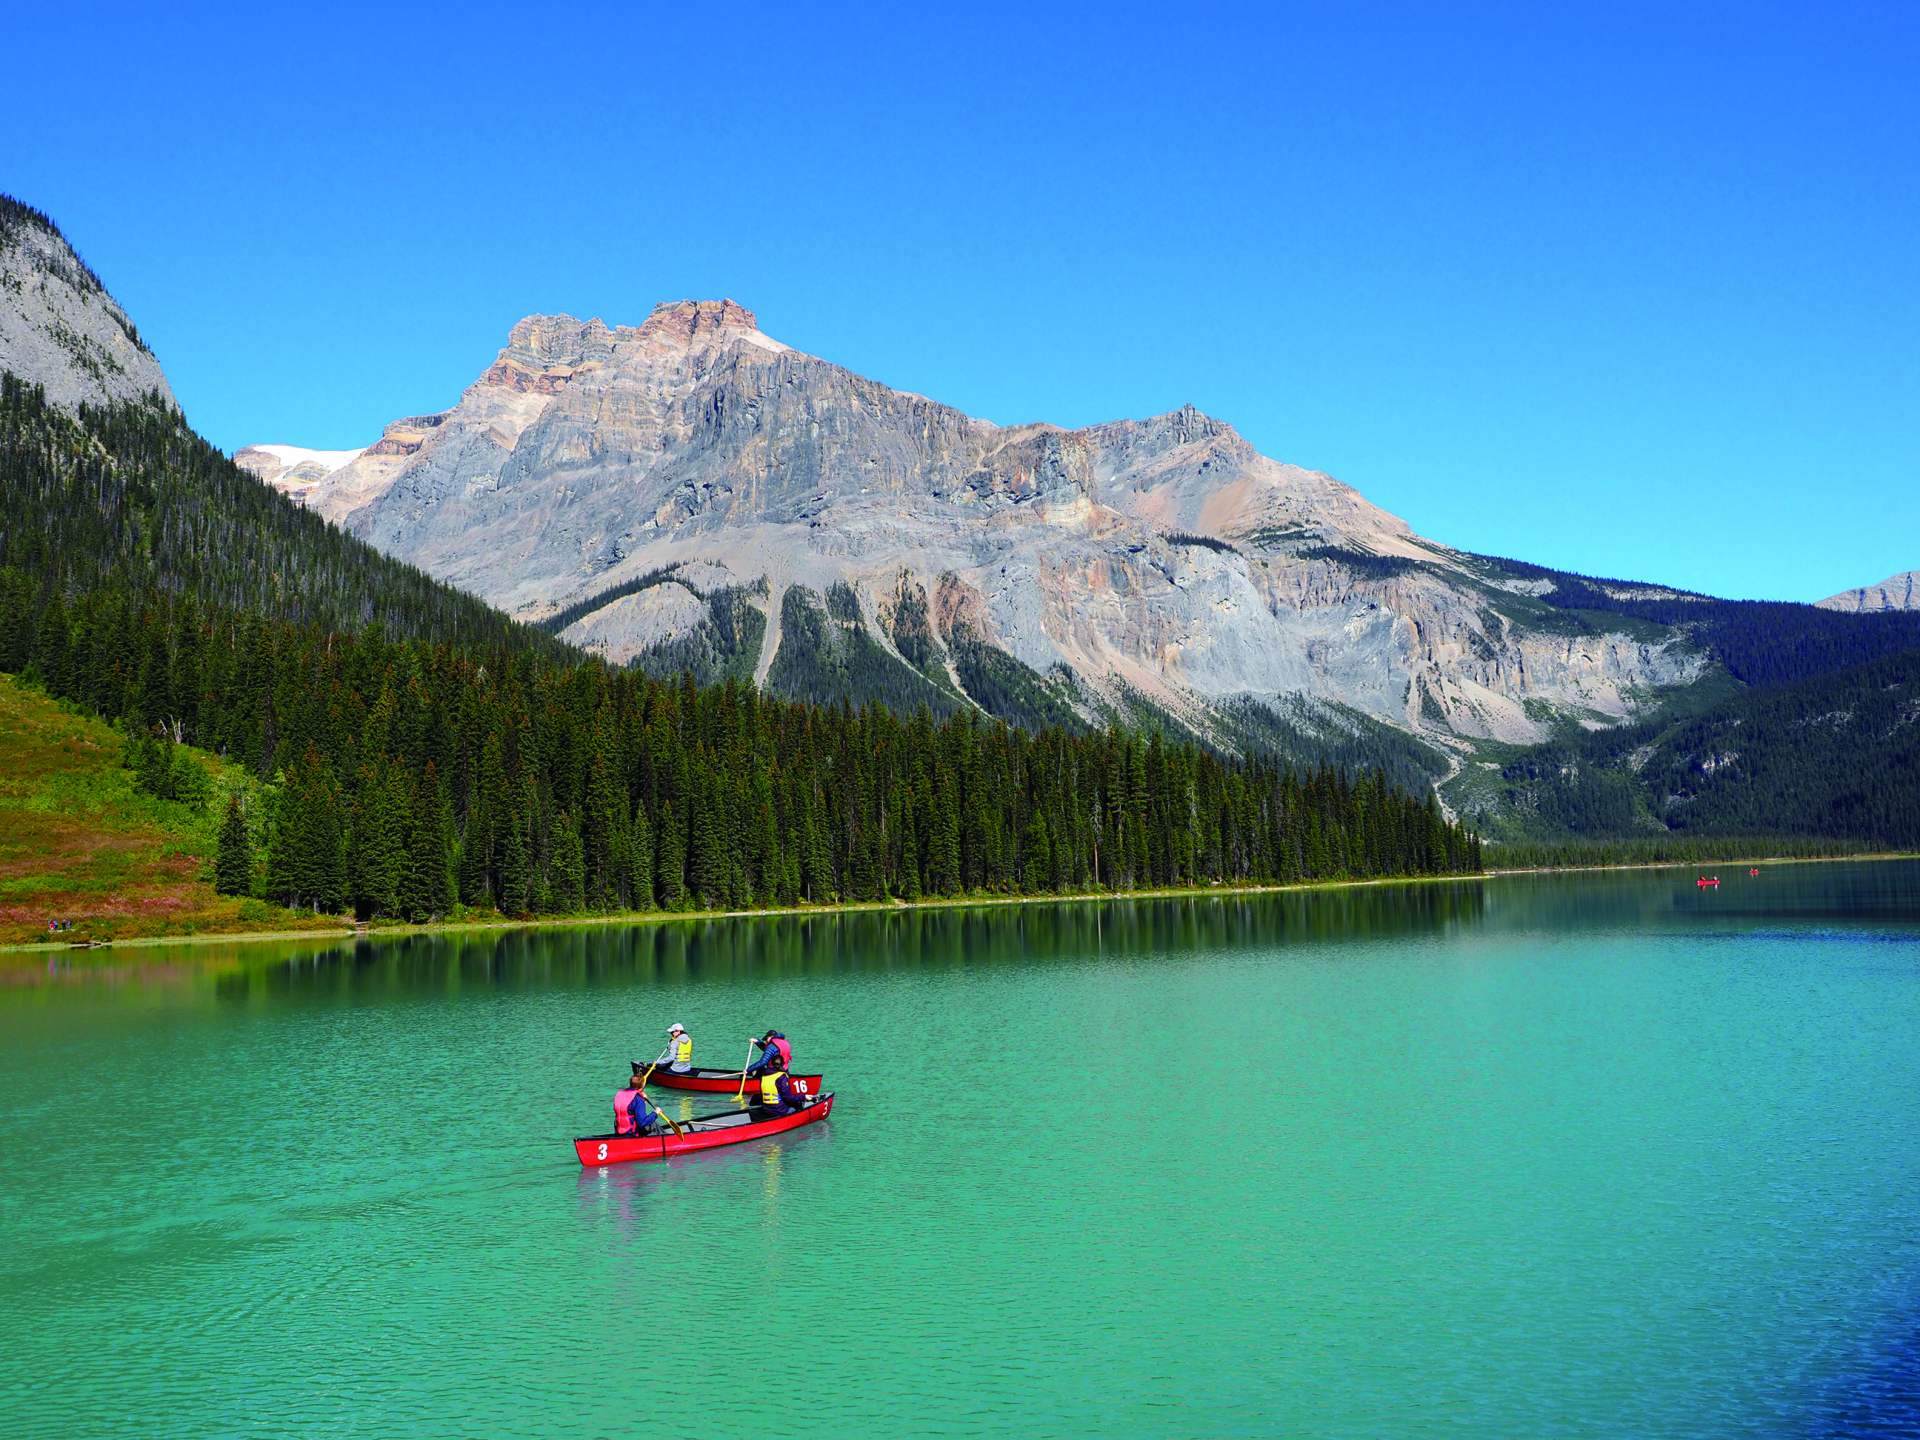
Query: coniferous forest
column 416, row 750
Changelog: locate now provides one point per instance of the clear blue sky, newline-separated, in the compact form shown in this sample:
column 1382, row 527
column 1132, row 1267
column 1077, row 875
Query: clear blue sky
column 1628, row 289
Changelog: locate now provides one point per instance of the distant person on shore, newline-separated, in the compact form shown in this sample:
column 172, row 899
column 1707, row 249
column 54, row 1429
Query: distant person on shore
column 680, row 1048
column 775, row 1054
column 633, row 1113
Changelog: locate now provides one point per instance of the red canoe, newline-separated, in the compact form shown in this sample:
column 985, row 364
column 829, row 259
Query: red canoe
column 703, row 1132
column 718, row 1081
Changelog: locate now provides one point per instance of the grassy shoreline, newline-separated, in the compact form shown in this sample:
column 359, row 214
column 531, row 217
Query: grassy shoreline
column 345, row 931
column 379, row 929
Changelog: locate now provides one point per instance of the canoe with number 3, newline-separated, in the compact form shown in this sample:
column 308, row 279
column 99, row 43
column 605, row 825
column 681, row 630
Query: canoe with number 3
column 718, row 1081
column 703, row 1132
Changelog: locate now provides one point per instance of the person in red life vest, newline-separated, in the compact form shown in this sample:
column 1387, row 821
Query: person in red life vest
column 779, row 1096
column 775, row 1054
column 633, row 1113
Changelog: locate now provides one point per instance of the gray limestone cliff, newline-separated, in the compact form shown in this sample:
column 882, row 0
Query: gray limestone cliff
column 1896, row 592
column 59, row 328
column 1162, row 561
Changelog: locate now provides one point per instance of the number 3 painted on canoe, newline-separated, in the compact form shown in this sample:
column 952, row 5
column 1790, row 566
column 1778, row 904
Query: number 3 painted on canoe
column 603, row 1151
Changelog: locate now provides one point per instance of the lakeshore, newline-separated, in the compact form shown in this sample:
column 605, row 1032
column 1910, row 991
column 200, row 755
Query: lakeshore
column 478, row 924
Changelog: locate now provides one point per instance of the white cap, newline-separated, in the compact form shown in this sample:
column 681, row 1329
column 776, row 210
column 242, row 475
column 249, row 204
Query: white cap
column 676, row 1028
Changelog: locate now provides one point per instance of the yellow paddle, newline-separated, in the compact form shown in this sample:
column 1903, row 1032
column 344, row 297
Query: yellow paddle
column 742, row 1093
column 656, row 1109
column 655, row 1066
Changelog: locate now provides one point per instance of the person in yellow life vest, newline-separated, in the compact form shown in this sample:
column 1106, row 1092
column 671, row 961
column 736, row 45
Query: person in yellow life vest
column 679, row 1049
column 779, row 1095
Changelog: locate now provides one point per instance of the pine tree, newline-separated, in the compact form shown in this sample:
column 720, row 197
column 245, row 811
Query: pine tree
column 377, row 844
column 943, row 843
column 307, row 859
column 427, row 880
column 640, row 862
column 516, row 855
column 233, row 865
column 1036, row 872
column 670, row 859
column 707, row 856
column 569, row 882
column 604, row 830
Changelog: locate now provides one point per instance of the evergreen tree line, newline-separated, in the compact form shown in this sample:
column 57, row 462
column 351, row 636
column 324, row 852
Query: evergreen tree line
column 1661, row 850
column 404, row 777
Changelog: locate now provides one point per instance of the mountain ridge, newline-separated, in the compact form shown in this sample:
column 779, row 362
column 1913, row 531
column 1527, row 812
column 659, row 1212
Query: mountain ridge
column 59, row 325
column 1163, row 559
column 1896, row 592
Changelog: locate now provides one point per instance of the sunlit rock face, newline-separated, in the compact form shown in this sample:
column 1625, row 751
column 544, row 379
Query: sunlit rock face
column 59, row 328
column 1161, row 560
column 1896, row 592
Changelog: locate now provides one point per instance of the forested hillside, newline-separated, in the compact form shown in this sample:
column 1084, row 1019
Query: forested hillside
column 427, row 752
column 1804, row 730
column 129, row 497
column 1835, row 757
column 1760, row 642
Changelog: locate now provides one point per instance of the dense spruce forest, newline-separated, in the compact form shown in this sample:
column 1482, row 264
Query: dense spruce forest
column 415, row 750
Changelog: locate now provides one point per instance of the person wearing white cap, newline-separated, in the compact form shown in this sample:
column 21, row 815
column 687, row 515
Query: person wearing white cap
column 679, row 1048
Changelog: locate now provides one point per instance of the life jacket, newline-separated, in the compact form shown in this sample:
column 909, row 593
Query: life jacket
column 622, row 1121
column 786, row 1052
column 770, row 1087
column 683, row 1049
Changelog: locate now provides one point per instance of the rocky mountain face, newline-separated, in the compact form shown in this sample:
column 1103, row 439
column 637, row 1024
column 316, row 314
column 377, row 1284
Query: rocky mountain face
column 58, row 325
column 292, row 468
column 1896, row 592
column 691, row 490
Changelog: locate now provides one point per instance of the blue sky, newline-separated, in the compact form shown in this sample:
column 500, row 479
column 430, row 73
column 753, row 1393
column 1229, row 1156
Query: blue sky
column 1630, row 290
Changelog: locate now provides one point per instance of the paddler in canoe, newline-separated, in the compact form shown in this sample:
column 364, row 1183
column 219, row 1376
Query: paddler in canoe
column 680, row 1047
column 633, row 1112
column 775, row 1054
column 779, row 1095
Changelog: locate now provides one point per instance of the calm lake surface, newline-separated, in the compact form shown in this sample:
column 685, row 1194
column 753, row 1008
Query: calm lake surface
column 1588, row 1155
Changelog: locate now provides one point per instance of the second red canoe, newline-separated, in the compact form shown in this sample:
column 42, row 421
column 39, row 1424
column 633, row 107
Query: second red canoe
column 715, row 1082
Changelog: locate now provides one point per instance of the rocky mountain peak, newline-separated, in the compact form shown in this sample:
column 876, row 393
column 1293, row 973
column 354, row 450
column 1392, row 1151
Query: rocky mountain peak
column 544, row 352
column 1189, row 422
column 699, row 319
column 59, row 328
column 1896, row 592
column 691, row 483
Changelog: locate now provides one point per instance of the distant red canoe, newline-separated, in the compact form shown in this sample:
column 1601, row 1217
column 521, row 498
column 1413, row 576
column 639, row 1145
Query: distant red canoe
column 1705, row 883
column 703, row 1132
column 717, row 1081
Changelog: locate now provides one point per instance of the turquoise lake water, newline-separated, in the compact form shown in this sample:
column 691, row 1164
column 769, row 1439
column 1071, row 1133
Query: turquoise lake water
column 1589, row 1155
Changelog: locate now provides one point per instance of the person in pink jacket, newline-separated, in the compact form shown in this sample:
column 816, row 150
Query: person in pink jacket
column 775, row 1053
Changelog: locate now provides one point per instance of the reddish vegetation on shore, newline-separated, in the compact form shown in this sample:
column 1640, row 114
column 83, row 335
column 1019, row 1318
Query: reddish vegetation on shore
column 79, row 842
